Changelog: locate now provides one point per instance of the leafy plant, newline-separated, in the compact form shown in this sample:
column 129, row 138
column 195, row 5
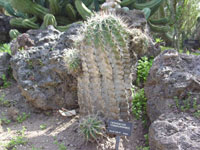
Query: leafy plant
column 187, row 104
column 22, row 118
column 43, row 126
column 146, row 147
column 18, row 140
column 6, row 83
column 143, row 67
column 92, row 128
column 61, row 146
column 159, row 40
column 5, row 120
column 139, row 103
column 3, row 101
column 5, row 48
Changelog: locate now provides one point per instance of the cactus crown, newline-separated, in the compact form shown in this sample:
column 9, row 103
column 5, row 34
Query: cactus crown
column 105, row 30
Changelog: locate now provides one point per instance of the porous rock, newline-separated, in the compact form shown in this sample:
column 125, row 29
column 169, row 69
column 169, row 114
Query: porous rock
column 175, row 132
column 4, row 65
column 173, row 84
column 40, row 68
column 142, row 43
column 4, row 28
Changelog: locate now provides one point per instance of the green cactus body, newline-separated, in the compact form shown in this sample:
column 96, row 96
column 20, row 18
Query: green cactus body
column 13, row 33
column 127, row 2
column 71, row 12
column 106, row 63
column 64, row 28
column 54, row 7
column 82, row 9
column 16, row 22
column 29, row 24
column 49, row 19
column 87, row 2
column 150, row 4
column 63, row 20
column 161, row 21
column 27, row 6
column 160, row 29
column 153, row 5
column 147, row 12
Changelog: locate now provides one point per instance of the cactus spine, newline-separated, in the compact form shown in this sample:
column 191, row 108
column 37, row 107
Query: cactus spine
column 106, row 62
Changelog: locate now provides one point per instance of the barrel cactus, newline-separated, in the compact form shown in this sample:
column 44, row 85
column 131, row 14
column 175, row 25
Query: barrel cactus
column 104, row 85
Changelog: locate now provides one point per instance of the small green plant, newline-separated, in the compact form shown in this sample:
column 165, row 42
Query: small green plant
column 34, row 148
column 22, row 118
column 61, row 146
column 5, row 120
column 188, row 103
column 92, row 128
column 144, row 65
column 18, row 140
column 146, row 147
column 3, row 101
column 6, row 83
column 43, row 126
column 5, row 48
column 159, row 40
column 139, row 103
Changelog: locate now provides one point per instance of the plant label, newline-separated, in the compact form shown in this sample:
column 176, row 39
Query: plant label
column 191, row 42
column 119, row 127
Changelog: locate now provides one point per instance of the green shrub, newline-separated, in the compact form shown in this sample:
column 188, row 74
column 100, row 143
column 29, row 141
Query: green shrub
column 5, row 48
column 139, row 104
column 143, row 67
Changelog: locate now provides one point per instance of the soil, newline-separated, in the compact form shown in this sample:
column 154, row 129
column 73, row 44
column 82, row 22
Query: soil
column 59, row 130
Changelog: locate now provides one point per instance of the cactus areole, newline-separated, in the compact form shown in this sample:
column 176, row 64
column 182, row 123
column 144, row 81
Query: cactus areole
column 104, row 85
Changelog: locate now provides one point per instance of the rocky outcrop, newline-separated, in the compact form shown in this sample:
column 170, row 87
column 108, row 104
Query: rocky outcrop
column 4, row 28
column 173, row 84
column 175, row 132
column 142, row 44
column 4, row 65
column 39, row 64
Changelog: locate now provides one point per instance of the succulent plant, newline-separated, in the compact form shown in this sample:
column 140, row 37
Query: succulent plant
column 92, row 128
column 104, row 51
column 13, row 33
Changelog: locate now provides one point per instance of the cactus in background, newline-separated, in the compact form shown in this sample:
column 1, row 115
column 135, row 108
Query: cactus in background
column 104, row 85
column 54, row 7
column 147, row 12
column 82, row 9
column 49, row 19
column 71, row 12
column 29, row 7
column 13, row 33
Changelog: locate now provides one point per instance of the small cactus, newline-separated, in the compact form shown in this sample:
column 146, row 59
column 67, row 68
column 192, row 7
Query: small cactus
column 92, row 128
column 13, row 33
